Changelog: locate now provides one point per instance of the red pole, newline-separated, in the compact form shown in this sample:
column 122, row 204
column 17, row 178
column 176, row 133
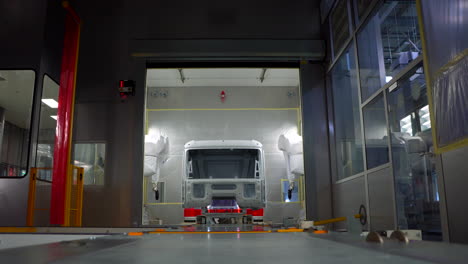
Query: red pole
column 64, row 116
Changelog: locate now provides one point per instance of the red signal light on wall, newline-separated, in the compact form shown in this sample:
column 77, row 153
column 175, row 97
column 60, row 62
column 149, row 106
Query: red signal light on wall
column 126, row 88
column 222, row 95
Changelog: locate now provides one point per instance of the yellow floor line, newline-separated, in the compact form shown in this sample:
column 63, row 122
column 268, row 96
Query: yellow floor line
column 289, row 230
column 17, row 229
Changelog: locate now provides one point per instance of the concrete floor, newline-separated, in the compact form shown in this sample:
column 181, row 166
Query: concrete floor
column 234, row 248
column 23, row 240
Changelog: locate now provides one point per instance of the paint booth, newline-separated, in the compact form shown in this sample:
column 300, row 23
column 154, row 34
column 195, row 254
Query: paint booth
column 246, row 126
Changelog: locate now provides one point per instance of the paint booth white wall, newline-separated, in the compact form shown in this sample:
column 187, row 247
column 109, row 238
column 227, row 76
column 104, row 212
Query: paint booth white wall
column 197, row 113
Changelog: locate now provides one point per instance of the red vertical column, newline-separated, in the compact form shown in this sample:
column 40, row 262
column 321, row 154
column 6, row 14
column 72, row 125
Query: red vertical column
column 64, row 116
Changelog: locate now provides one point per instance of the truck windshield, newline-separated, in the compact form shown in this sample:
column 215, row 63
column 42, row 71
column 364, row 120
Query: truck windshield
column 223, row 164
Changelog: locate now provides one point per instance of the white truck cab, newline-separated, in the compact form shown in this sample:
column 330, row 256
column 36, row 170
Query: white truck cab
column 217, row 171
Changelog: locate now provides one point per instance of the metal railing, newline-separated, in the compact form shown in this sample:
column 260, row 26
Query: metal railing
column 39, row 192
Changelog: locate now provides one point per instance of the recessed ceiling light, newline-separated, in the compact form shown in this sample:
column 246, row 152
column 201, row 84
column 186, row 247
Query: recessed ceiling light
column 54, row 117
column 50, row 102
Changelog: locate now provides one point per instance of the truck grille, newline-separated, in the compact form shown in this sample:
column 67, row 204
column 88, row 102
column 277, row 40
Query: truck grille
column 223, row 187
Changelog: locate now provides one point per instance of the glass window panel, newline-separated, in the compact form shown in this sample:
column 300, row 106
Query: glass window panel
column 223, row 163
column 91, row 157
column 16, row 98
column 387, row 44
column 347, row 118
column 294, row 192
column 362, row 6
column 417, row 197
column 375, row 130
column 340, row 25
column 424, row 118
column 47, row 125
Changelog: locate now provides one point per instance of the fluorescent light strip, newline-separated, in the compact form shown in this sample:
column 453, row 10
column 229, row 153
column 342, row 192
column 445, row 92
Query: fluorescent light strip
column 54, row 117
column 50, row 102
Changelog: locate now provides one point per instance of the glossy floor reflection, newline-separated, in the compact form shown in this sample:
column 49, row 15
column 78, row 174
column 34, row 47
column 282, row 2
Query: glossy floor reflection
column 233, row 248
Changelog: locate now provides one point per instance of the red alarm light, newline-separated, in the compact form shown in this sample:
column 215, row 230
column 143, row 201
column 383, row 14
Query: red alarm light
column 222, row 96
column 126, row 88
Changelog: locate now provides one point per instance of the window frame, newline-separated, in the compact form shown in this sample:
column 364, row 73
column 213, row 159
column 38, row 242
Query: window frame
column 31, row 122
column 340, row 49
column 352, row 48
column 106, row 148
column 389, row 161
column 40, row 112
column 367, row 17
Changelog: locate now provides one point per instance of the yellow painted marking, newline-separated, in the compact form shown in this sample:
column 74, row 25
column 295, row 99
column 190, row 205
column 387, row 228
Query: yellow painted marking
column 31, row 197
column 146, row 123
column 145, row 200
column 457, row 144
column 453, row 146
column 79, row 197
column 68, row 183
column 163, row 203
column 334, row 220
column 426, row 70
column 460, row 56
column 290, row 230
column 320, row 232
column 135, row 233
column 303, row 187
column 17, row 229
column 329, row 221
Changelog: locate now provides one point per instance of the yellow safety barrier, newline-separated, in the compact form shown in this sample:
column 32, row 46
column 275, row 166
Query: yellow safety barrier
column 17, row 229
column 334, row 220
column 290, row 230
column 74, row 195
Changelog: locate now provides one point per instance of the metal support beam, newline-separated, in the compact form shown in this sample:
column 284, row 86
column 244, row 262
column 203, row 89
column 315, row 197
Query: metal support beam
column 62, row 148
column 313, row 50
column 316, row 142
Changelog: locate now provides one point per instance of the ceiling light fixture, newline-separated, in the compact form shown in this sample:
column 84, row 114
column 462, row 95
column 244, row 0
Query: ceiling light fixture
column 54, row 117
column 50, row 102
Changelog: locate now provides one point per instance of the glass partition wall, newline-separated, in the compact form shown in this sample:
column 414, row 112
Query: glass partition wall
column 380, row 104
column 16, row 101
column 387, row 43
column 416, row 189
column 349, row 142
column 47, row 125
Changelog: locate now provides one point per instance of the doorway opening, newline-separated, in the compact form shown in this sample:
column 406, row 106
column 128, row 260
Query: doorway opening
column 223, row 145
